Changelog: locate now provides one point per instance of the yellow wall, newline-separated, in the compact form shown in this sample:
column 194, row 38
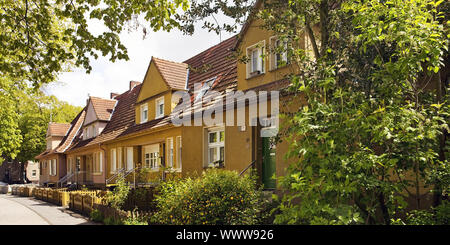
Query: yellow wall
column 151, row 105
column 254, row 35
column 153, row 84
column 148, row 138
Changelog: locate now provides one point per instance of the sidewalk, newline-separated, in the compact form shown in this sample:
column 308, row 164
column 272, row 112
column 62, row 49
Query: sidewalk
column 15, row 210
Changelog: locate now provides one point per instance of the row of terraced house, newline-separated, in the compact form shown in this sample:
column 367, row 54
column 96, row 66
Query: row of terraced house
column 115, row 136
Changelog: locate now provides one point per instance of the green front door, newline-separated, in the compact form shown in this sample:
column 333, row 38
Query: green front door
column 268, row 163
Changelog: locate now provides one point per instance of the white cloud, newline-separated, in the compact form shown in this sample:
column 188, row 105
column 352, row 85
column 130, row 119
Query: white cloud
column 107, row 77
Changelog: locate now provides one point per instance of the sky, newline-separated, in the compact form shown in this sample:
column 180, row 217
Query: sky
column 106, row 76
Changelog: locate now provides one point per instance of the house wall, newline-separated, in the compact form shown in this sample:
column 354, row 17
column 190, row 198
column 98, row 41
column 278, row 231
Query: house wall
column 151, row 105
column 53, row 141
column 153, row 83
column 90, row 115
column 97, row 178
column 32, row 166
column 137, row 141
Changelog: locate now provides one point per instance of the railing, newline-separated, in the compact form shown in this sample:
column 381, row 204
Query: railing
column 246, row 168
column 64, row 179
column 116, row 175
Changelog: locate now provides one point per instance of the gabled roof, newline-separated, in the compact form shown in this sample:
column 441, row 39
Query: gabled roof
column 74, row 127
column 122, row 118
column 217, row 61
column 57, row 129
column 103, row 107
column 173, row 73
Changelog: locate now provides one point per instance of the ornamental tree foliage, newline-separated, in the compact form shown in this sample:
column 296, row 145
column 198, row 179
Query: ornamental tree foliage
column 41, row 38
column 373, row 133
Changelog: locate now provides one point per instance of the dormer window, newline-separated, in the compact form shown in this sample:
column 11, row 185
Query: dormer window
column 279, row 55
column 255, row 65
column 205, row 88
column 159, row 108
column 144, row 113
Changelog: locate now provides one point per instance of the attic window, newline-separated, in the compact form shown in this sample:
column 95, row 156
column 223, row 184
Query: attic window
column 144, row 113
column 255, row 64
column 278, row 57
column 159, row 108
column 205, row 88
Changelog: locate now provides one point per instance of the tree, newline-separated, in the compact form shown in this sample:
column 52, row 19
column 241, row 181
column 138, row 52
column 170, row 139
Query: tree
column 375, row 125
column 40, row 39
column 34, row 116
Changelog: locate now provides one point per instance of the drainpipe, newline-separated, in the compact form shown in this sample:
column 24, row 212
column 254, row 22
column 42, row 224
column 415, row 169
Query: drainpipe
column 104, row 155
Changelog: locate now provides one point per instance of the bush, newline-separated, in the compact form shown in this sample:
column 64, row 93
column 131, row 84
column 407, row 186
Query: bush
column 439, row 215
column 134, row 221
column 96, row 215
column 112, row 221
column 217, row 197
column 118, row 196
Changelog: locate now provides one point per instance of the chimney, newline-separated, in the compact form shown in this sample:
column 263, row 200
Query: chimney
column 134, row 84
column 114, row 95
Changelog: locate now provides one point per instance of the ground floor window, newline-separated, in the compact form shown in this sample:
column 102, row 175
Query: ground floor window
column 216, row 147
column 151, row 156
column 98, row 162
column 52, row 170
column 179, row 165
column 113, row 160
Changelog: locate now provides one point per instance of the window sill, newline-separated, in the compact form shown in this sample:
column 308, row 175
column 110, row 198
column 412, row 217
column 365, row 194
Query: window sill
column 254, row 76
column 208, row 167
column 97, row 173
column 158, row 117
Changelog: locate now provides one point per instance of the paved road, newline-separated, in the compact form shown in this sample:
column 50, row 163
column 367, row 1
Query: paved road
column 16, row 210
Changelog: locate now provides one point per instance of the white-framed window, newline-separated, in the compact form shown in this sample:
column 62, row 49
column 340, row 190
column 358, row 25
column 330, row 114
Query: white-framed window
column 179, row 149
column 129, row 152
column 256, row 64
column 52, row 167
column 278, row 56
column 144, row 113
column 33, row 173
column 94, row 132
column 98, row 162
column 159, row 108
column 216, row 147
column 85, row 133
column 69, row 165
column 113, row 160
column 170, row 153
column 151, row 156
column 119, row 158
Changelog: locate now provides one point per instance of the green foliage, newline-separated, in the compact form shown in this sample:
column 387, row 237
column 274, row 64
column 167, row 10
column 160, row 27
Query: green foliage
column 96, row 215
column 439, row 215
column 217, row 197
column 45, row 37
column 118, row 196
column 370, row 132
column 112, row 221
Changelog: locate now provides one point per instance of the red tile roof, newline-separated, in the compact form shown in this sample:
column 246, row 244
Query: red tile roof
column 57, row 129
column 217, row 61
column 75, row 126
column 173, row 73
column 103, row 107
column 122, row 118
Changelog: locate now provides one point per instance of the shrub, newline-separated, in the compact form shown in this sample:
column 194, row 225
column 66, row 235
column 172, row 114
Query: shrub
column 134, row 221
column 439, row 215
column 96, row 215
column 112, row 221
column 217, row 197
column 118, row 196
